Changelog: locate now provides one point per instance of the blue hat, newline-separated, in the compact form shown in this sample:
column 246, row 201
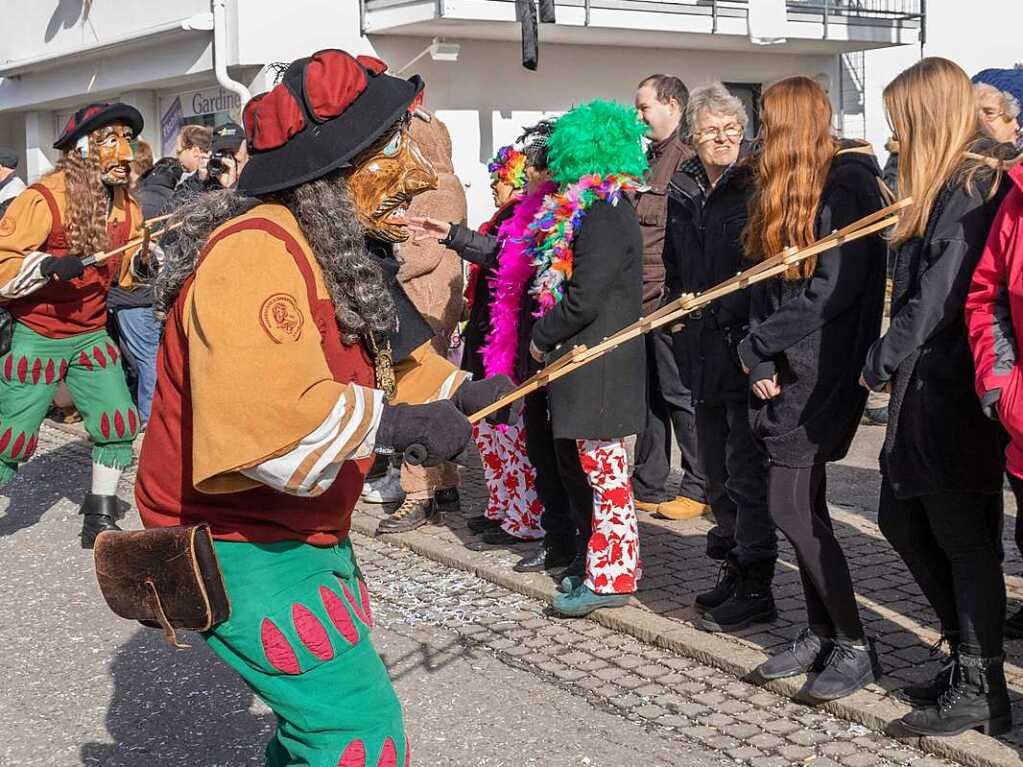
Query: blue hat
column 1008, row 80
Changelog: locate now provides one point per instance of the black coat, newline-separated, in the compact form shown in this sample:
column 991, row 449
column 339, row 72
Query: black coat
column 482, row 250
column 606, row 399
column 703, row 247
column 938, row 439
column 815, row 333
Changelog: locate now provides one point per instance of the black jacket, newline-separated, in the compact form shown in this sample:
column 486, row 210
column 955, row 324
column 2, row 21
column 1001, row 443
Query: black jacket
column 482, row 250
column 815, row 333
column 154, row 193
column 605, row 399
column 938, row 439
column 412, row 330
column 703, row 247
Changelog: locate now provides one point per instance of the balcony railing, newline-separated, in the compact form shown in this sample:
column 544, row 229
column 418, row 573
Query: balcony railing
column 898, row 13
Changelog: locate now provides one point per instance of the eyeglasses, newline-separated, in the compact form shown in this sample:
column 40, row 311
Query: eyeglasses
column 990, row 113
column 729, row 132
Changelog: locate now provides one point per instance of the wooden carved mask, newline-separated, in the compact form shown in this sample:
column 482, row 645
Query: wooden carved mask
column 384, row 179
column 112, row 145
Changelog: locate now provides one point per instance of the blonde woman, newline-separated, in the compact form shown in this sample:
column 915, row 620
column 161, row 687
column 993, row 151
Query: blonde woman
column 941, row 501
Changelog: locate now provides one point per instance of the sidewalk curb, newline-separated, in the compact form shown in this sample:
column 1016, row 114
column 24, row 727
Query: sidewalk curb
column 864, row 708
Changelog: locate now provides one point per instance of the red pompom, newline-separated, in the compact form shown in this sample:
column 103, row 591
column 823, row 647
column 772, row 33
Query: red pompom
column 333, row 80
column 272, row 118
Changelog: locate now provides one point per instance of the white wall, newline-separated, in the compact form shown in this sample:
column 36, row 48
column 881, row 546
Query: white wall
column 988, row 35
column 33, row 27
column 486, row 96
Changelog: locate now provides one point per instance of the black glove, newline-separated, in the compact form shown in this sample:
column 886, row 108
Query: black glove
column 473, row 396
column 437, row 426
column 62, row 268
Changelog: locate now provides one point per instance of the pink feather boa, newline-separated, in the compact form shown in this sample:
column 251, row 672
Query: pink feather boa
column 513, row 273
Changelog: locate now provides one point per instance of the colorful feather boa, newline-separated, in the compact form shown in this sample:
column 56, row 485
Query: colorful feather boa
column 554, row 227
column 511, row 278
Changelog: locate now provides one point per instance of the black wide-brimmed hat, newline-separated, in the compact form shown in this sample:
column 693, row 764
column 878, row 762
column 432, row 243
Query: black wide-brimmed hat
column 89, row 118
column 326, row 110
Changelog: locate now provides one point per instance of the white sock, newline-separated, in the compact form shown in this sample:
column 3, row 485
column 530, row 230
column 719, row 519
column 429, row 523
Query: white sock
column 104, row 479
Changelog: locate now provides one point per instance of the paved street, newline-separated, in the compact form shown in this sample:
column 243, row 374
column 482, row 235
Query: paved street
column 486, row 676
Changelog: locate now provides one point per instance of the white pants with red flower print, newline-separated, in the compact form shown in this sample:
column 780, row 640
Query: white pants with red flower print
column 510, row 478
column 612, row 559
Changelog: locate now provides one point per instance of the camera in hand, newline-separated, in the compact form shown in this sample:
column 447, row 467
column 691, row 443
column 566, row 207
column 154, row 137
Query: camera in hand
column 220, row 163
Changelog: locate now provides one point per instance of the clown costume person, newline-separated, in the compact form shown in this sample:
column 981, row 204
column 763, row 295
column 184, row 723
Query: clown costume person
column 60, row 307
column 588, row 252
column 275, row 283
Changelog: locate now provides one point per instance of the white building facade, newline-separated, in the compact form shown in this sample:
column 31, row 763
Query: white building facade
column 160, row 57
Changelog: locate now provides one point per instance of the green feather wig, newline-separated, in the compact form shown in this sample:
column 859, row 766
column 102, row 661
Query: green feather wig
column 600, row 137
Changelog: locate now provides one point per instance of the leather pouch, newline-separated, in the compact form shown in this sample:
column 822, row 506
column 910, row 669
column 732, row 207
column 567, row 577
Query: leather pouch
column 165, row 578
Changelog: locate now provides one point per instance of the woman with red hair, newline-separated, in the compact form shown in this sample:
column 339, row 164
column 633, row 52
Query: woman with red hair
column 810, row 329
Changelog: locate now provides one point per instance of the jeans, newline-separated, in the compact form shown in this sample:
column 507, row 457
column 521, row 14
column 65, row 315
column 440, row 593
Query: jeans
column 736, row 474
column 949, row 542
column 797, row 499
column 140, row 337
column 670, row 408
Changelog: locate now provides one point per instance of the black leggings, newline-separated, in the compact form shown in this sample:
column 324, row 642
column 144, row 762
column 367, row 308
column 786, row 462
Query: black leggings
column 797, row 499
column 950, row 543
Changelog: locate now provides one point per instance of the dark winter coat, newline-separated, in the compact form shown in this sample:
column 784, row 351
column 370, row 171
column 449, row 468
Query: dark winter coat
column 815, row 333
column 703, row 247
column 154, row 193
column 938, row 438
column 606, row 399
column 482, row 250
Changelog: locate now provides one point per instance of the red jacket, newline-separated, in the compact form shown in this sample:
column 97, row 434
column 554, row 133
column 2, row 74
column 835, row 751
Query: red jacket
column 994, row 317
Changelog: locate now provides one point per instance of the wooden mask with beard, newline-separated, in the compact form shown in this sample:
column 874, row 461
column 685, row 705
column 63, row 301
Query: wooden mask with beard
column 383, row 180
column 112, row 147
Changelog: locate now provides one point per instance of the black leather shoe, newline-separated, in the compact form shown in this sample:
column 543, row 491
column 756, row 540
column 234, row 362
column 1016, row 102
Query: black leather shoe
column 481, row 524
column 498, row 536
column 806, row 653
column 410, row 515
column 751, row 602
column 928, row 693
column 99, row 511
column 544, row 559
column 977, row 700
column 849, row 667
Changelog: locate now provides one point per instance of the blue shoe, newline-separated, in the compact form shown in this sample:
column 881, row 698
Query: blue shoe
column 570, row 583
column 582, row 601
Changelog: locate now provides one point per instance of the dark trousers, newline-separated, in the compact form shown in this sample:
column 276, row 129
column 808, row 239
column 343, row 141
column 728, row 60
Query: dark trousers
column 670, row 407
column 580, row 493
column 736, row 473
column 1016, row 483
column 797, row 499
column 950, row 543
column 557, row 519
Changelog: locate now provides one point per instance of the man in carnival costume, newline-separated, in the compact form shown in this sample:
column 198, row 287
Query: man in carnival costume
column 267, row 410
column 588, row 250
column 59, row 306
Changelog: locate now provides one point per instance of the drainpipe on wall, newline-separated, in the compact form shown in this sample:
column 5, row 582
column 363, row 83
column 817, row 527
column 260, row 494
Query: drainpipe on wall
column 220, row 53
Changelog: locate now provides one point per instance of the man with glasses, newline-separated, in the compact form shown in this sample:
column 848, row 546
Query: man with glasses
column 703, row 246
column 193, row 151
column 660, row 101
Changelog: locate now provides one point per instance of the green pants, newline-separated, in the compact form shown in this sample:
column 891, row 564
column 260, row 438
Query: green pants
column 299, row 636
column 90, row 366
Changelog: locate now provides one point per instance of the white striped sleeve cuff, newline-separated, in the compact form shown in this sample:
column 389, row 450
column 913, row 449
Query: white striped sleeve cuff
column 348, row 433
column 28, row 279
column 452, row 382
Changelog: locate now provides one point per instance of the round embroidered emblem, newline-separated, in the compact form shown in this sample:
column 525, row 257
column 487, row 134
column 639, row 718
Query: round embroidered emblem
column 281, row 318
column 7, row 226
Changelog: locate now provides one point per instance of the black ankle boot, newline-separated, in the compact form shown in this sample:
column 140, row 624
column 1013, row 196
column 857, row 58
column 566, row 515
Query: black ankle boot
column 976, row 700
column 927, row 694
column 728, row 578
column 752, row 601
column 848, row 668
column 99, row 511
